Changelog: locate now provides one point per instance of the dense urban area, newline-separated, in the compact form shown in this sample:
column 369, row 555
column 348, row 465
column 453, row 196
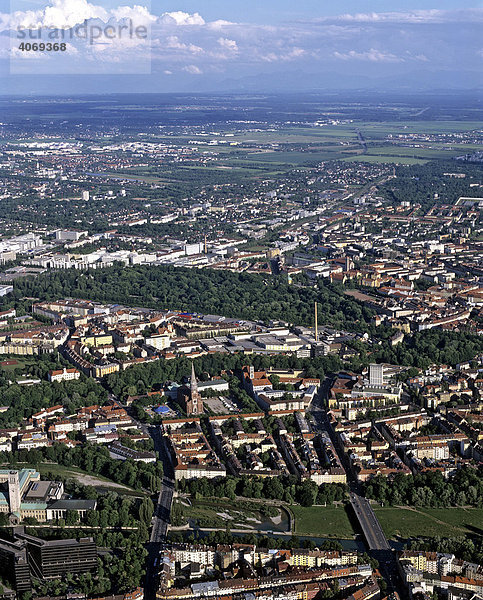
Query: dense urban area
column 242, row 352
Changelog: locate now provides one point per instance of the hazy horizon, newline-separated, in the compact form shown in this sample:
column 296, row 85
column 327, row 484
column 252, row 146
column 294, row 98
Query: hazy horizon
column 221, row 47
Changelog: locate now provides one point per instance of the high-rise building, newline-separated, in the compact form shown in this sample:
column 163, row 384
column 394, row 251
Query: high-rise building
column 14, row 564
column 26, row 557
column 376, row 375
column 51, row 559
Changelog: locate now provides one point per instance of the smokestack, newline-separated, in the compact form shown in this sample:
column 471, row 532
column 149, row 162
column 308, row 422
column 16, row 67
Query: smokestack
column 316, row 327
column 206, row 246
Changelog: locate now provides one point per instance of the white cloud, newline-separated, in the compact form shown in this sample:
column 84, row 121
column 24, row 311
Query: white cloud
column 414, row 16
column 227, row 44
column 65, row 14
column 173, row 42
column 137, row 14
column 219, row 24
column 181, row 18
column 180, row 38
column 193, row 70
column 61, row 14
column 372, row 55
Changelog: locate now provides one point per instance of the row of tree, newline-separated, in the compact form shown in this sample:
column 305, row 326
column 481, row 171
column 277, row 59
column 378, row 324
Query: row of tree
column 288, row 489
column 431, row 489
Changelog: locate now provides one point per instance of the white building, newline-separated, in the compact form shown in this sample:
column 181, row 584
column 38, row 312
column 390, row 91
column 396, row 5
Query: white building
column 6, row 289
column 64, row 375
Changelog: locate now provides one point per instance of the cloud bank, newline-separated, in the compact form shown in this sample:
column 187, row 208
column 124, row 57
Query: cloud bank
column 183, row 44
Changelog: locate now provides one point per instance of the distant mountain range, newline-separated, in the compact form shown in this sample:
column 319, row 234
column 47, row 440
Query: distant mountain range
column 281, row 81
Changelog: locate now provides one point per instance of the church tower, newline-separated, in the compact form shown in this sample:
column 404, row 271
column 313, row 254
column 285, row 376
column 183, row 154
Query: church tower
column 14, row 492
column 195, row 403
column 189, row 397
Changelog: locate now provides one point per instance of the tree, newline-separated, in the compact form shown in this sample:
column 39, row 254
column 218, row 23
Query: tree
column 307, row 492
column 71, row 517
column 146, row 509
column 273, row 488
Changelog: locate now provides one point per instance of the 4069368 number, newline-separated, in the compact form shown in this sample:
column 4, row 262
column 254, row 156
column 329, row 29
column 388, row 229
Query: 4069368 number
column 42, row 47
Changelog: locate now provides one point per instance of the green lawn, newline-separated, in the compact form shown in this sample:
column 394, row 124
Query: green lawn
column 22, row 363
column 98, row 481
column 322, row 521
column 407, row 522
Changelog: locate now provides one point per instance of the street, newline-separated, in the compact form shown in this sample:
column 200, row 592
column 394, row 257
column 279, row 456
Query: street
column 374, row 536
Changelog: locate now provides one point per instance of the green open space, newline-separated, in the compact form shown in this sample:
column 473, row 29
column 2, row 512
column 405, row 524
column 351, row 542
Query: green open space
column 401, row 160
column 430, row 522
column 97, row 481
column 21, row 363
column 296, row 158
column 322, row 521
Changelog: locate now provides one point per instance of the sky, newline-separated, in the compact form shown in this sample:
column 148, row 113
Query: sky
column 240, row 45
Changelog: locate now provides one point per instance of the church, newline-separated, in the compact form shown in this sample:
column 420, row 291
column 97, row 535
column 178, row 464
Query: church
column 189, row 397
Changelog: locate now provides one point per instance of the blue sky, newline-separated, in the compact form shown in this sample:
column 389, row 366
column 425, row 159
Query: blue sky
column 270, row 11
column 223, row 45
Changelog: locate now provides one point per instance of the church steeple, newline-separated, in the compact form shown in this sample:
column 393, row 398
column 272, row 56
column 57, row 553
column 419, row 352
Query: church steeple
column 193, row 382
column 189, row 396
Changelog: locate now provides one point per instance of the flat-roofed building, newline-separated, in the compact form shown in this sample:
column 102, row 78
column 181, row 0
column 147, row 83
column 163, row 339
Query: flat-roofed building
column 51, row 559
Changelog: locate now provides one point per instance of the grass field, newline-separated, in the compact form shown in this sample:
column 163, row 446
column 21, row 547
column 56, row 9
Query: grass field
column 371, row 158
column 322, row 521
column 430, row 153
column 98, row 481
column 296, row 158
column 407, row 522
column 22, row 363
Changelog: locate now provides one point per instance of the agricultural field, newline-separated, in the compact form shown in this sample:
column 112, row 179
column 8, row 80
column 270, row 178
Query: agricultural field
column 405, row 160
column 333, row 142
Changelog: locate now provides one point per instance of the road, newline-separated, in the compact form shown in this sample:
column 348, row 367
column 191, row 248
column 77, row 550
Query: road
column 362, row 141
column 374, row 535
column 162, row 508
column 375, row 538
column 161, row 516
